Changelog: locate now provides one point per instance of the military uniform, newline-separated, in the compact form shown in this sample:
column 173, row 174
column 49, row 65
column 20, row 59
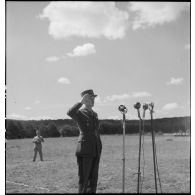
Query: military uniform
column 89, row 147
column 38, row 147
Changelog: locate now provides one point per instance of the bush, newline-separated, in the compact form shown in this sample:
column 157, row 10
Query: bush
column 69, row 130
column 52, row 130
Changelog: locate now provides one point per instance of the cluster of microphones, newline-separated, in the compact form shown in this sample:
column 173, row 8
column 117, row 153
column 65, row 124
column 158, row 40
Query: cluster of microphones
column 137, row 106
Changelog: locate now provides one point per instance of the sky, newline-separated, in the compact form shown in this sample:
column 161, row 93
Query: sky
column 127, row 52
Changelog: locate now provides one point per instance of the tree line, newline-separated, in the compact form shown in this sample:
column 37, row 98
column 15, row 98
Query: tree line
column 17, row 129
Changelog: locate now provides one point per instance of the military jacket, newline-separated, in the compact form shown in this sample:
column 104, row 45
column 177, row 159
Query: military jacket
column 89, row 142
column 37, row 141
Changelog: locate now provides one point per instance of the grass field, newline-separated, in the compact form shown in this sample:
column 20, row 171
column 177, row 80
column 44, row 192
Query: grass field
column 58, row 172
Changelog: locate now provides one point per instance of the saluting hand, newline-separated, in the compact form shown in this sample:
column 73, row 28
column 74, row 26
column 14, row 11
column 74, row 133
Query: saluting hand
column 85, row 99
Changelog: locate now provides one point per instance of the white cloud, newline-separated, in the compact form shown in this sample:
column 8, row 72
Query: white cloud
column 114, row 117
column 175, row 81
column 27, row 108
column 37, row 102
column 63, row 80
column 126, row 96
column 117, row 97
column 52, row 59
column 22, row 117
column 83, row 50
column 149, row 14
column 141, row 94
column 187, row 47
column 85, row 19
column 40, row 118
column 170, row 106
column 16, row 116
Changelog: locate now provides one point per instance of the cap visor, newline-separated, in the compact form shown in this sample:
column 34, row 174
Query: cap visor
column 94, row 95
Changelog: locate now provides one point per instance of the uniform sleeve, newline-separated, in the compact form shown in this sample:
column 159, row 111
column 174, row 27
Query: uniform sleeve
column 42, row 139
column 33, row 141
column 74, row 111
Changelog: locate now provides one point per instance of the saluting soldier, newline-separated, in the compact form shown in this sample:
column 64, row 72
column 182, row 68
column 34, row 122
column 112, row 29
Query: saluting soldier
column 38, row 145
column 89, row 144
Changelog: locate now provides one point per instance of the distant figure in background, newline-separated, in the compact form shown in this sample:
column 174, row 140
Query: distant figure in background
column 89, row 144
column 38, row 145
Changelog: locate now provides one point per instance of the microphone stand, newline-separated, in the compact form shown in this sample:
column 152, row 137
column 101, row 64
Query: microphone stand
column 137, row 106
column 151, row 106
column 123, row 110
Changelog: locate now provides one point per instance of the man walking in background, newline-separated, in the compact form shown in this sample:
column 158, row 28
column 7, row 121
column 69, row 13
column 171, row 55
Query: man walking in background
column 38, row 145
column 89, row 144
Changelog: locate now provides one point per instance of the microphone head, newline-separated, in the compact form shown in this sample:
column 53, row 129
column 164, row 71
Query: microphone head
column 122, row 109
column 145, row 106
column 151, row 106
column 137, row 105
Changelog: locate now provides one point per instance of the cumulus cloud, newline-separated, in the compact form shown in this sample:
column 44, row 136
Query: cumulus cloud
column 175, row 81
column 170, row 106
column 16, row 116
column 27, row 108
column 37, row 102
column 149, row 14
column 126, row 96
column 117, row 97
column 52, row 59
column 22, row 117
column 63, row 80
column 141, row 94
column 85, row 19
column 187, row 46
column 40, row 118
column 114, row 117
column 83, row 50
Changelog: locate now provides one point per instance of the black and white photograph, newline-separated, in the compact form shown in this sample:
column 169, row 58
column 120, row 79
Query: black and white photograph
column 97, row 97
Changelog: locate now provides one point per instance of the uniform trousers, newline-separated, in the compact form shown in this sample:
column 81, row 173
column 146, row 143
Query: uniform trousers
column 40, row 153
column 88, row 173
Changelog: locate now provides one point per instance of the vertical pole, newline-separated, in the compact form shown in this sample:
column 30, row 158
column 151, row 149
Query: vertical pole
column 137, row 107
column 123, row 187
column 154, row 152
column 139, row 157
column 123, row 110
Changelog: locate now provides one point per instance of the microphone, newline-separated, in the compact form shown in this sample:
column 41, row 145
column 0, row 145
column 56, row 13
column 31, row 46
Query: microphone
column 145, row 107
column 137, row 106
column 122, row 109
column 151, row 107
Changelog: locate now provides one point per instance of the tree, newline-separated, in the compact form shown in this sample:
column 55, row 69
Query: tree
column 52, row 130
column 29, row 131
column 21, row 131
column 12, row 130
column 69, row 130
column 43, row 129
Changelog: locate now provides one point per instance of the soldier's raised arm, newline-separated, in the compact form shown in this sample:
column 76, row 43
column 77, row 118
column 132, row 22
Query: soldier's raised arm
column 74, row 111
